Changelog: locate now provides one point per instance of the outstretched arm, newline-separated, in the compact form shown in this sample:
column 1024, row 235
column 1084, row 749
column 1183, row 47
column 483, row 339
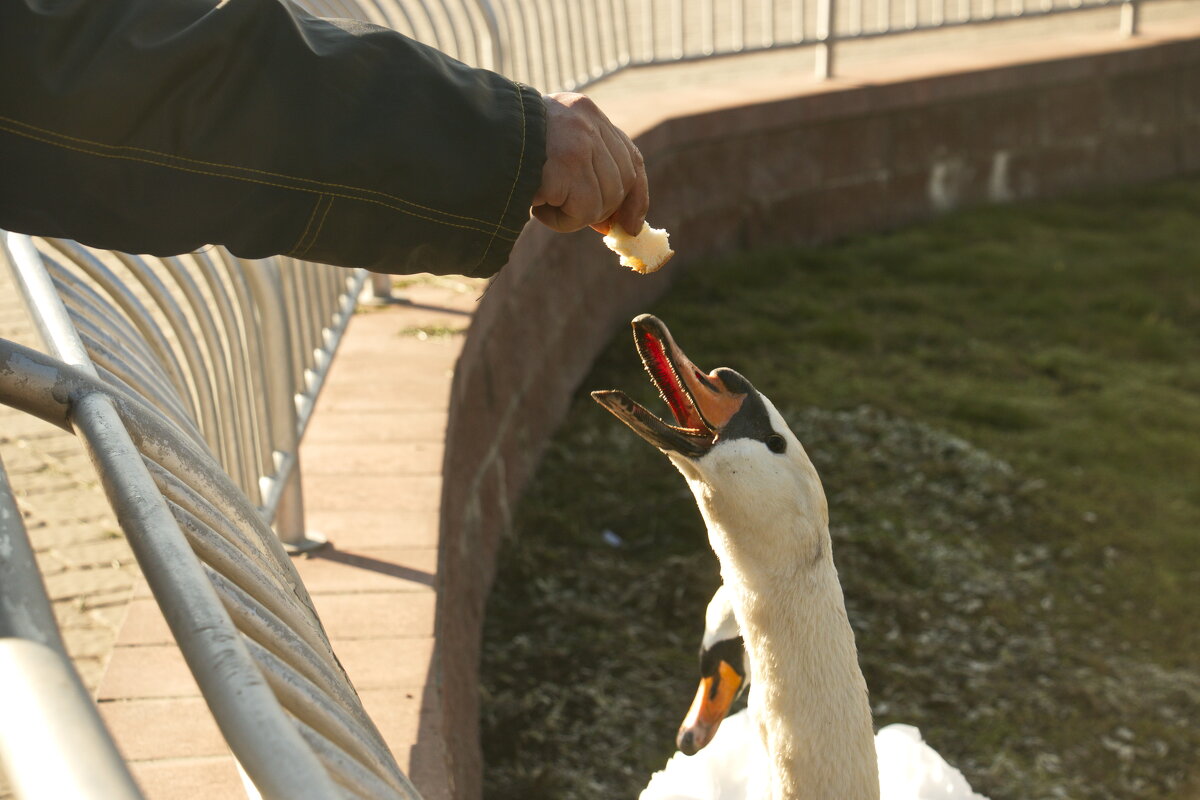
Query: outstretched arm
column 159, row 126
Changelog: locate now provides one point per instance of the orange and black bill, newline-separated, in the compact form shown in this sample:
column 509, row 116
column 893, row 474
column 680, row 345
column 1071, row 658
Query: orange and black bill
column 700, row 402
column 713, row 700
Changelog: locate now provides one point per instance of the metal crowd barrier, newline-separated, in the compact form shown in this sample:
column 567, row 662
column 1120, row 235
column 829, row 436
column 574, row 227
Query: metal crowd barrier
column 559, row 45
column 238, row 349
column 568, row 44
column 188, row 498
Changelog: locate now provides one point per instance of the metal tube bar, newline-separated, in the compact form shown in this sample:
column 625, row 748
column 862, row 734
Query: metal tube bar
column 273, row 754
column 798, row 27
column 233, row 401
column 53, row 324
column 53, row 743
column 826, row 20
column 199, row 388
column 257, row 361
column 737, row 26
column 144, row 321
column 25, row 610
column 111, row 332
column 1130, row 11
column 283, row 499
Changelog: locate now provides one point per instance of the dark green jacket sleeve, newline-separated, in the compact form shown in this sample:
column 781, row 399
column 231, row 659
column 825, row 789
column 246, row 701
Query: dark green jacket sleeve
column 160, row 126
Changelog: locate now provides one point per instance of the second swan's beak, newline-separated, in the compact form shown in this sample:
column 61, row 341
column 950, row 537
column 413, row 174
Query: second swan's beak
column 713, row 700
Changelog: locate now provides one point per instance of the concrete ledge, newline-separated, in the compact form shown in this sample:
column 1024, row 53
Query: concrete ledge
column 766, row 165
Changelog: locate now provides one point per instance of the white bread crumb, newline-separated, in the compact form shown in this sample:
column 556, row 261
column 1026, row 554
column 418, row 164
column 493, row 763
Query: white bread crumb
column 643, row 253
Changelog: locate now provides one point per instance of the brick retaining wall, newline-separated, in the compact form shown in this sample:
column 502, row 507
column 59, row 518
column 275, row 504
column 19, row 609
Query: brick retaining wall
column 832, row 162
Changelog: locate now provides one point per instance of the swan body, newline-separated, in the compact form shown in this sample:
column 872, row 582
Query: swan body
column 767, row 520
column 909, row 769
column 725, row 755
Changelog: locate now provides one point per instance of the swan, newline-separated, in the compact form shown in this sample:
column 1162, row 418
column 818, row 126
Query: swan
column 909, row 769
column 767, row 519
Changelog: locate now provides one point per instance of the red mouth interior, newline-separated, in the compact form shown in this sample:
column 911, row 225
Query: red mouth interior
column 662, row 372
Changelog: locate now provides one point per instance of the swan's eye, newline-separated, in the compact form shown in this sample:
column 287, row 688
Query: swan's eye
column 776, row 443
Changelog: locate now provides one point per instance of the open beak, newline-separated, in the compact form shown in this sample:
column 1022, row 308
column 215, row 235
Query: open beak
column 713, row 700
column 700, row 403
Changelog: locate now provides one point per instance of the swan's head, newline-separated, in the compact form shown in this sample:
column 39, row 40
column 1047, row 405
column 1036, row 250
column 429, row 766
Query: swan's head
column 724, row 675
column 751, row 477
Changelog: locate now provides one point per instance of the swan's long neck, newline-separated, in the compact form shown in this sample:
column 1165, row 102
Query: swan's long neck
column 809, row 696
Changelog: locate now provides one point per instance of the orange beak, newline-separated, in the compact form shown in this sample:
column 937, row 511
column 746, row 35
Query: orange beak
column 714, row 697
column 701, row 404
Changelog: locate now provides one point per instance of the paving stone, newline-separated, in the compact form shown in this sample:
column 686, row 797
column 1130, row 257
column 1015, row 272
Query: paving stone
column 368, row 529
column 347, row 428
column 88, row 582
column 386, row 663
column 155, row 729
column 145, row 624
column 375, row 458
column 379, row 492
column 377, row 615
column 399, row 714
column 84, row 582
column 210, row 778
column 107, row 551
column 89, row 642
column 91, row 670
column 332, row 571
column 66, row 535
column 148, row 671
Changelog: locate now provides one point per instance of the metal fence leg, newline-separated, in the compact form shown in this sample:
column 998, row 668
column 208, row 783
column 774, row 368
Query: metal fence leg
column 289, row 520
column 380, row 291
column 1129, row 18
column 826, row 19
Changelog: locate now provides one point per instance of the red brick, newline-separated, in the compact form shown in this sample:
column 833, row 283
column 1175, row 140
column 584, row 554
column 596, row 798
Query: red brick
column 147, row 671
column 145, row 624
column 349, row 428
column 368, row 528
column 373, row 492
column 331, row 570
column 396, row 662
column 212, row 778
column 374, row 458
column 157, row 729
column 376, row 615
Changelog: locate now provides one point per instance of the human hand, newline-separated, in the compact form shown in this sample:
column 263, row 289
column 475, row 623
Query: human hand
column 593, row 175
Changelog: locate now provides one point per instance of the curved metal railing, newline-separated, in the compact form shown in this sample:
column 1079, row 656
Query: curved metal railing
column 558, row 45
column 233, row 351
column 568, row 44
column 231, row 596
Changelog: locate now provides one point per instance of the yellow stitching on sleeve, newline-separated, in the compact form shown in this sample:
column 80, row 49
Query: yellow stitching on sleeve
column 516, row 178
column 320, row 227
column 304, row 234
column 121, row 157
column 131, row 148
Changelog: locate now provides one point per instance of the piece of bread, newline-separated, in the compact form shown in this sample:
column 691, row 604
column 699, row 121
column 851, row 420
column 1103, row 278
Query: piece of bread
column 643, row 253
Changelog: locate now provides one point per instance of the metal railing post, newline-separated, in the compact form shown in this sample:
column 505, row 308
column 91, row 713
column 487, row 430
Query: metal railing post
column 1129, row 18
column 826, row 19
column 285, row 502
column 492, row 53
column 25, row 610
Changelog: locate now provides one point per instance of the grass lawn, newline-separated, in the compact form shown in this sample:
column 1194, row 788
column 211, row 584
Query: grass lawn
column 1004, row 405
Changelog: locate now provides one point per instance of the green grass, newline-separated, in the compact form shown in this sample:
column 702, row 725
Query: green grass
column 1004, row 406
